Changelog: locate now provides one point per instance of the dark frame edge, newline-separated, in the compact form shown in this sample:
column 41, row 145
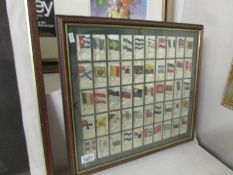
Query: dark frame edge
column 40, row 86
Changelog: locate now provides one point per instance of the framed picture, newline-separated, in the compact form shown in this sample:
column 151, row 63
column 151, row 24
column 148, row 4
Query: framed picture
column 129, row 88
column 228, row 93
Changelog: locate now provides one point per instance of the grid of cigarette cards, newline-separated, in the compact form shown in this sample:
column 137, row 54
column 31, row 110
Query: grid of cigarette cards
column 132, row 92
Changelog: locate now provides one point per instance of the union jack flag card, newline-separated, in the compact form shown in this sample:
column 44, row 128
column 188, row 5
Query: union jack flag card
column 189, row 47
column 127, row 119
column 170, row 69
column 180, row 45
column 87, row 102
column 149, row 70
column 114, row 73
column 113, row 44
column 187, row 68
column 138, row 71
column 158, row 112
column 158, row 128
column 167, row 129
column 149, row 91
column 126, row 96
column 168, row 90
column 115, row 143
column 126, row 72
column 159, row 91
column 126, row 47
column 176, row 108
column 183, row 125
column 138, row 94
column 178, row 85
column 127, row 140
column 100, row 75
column 160, row 70
column 150, row 47
column 88, row 127
column 89, row 147
column 85, row 76
column 103, row 147
column 138, row 47
column 179, row 68
column 99, row 47
column 102, row 124
column 114, row 98
column 148, row 134
column 175, row 127
column 184, row 106
column 83, row 47
column 138, row 117
column 138, row 137
column 101, row 100
column 171, row 47
column 161, row 47
column 168, row 110
column 114, row 118
column 186, row 87
column 148, row 114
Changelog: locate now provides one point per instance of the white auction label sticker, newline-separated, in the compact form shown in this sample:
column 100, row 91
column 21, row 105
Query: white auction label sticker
column 71, row 38
column 87, row 158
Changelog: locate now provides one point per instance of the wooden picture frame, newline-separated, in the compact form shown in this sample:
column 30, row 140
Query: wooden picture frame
column 159, row 64
column 227, row 100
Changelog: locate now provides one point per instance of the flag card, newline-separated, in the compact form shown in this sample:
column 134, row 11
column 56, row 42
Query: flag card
column 138, row 47
column 88, row 127
column 179, row 68
column 176, row 108
column 158, row 112
column 85, row 76
column 114, row 118
column 186, row 87
column 138, row 137
column 103, row 147
column 126, row 47
column 100, row 75
column 138, row 69
column 159, row 91
column 137, row 117
column 187, row 68
column 101, row 100
column 161, row 47
column 138, row 94
column 126, row 72
column 168, row 110
column 175, row 127
column 183, row 125
column 148, row 134
column 83, row 47
column 126, row 96
column 184, row 106
column 114, row 73
column 113, row 45
column 150, row 47
column 158, row 128
column 127, row 119
column 114, row 98
column 115, row 143
column 127, row 140
column 149, row 70
column 87, row 102
column 102, row 124
column 89, row 147
column 178, row 86
column 180, row 45
column 171, row 47
column 168, row 90
column 148, row 114
column 149, row 91
column 189, row 47
column 167, row 129
column 160, row 70
column 99, row 48
column 170, row 69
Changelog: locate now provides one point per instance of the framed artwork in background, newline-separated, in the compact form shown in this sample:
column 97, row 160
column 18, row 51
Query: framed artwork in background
column 129, row 88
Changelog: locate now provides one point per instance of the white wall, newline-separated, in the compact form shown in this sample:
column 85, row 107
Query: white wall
column 215, row 122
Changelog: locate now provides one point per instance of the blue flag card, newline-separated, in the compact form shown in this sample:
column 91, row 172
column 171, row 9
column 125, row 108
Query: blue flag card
column 83, row 42
column 115, row 143
column 150, row 47
column 126, row 47
column 158, row 112
column 138, row 94
column 160, row 70
column 138, row 46
column 170, row 69
column 138, row 71
column 99, row 47
column 168, row 109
